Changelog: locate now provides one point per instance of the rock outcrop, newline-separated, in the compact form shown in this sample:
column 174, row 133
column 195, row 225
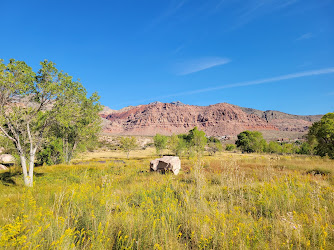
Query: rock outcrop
column 215, row 120
column 166, row 163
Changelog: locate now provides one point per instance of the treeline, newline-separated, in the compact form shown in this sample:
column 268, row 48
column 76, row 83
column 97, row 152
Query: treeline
column 319, row 141
column 189, row 144
column 253, row 142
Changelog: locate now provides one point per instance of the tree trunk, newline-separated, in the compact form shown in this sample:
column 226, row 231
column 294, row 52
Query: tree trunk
column 72, row 152
column 26, row 178
column 31, row 166
column 66, row 150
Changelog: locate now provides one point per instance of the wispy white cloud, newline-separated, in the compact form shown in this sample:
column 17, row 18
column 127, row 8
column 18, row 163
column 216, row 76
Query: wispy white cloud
column 192, row 66
column 305, row 36
column 254, row 9
column 241, row 84
column 263, row 81
column 173, row 8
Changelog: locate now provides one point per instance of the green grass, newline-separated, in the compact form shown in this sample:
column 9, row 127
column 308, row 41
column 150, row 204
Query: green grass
column 230, row 201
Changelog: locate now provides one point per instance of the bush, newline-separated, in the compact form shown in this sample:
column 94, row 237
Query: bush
column 230, row 147
column 51, row 153
column 214, row 147
column 251, row 141
column 274, row 147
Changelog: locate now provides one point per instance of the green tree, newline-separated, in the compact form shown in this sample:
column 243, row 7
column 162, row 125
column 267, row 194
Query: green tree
column 7, row 145
column 128, row 144
column 29, row 106
column 288, row 148
column 230, row 147
column 251, row 141
column 197, row 140
column 274, row 147
column 51, row 152
column 321, row 136
column 176, row 144
column 214, row 147
column 160, row 143
column 305, row 149
column 173, row 142
column 79, row 124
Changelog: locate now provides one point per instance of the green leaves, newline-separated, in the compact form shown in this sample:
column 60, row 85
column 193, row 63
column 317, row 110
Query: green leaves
column 321, row 135
column 251, row 141
column 37, row 106
column 128, row 144
column 197, row 140
column 160, row 142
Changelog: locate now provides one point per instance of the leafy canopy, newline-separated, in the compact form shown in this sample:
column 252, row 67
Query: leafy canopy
column 128, row 144
column 33, row 104
column 251, row 141
column 321, row 136
column 160, row 142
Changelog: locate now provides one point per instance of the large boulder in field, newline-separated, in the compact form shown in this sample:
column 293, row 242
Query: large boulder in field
column 166, row 163
column 7, row 158
column 3, row 167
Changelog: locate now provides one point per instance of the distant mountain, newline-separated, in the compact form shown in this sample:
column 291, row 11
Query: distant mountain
column 284, row 121
column 218, row 119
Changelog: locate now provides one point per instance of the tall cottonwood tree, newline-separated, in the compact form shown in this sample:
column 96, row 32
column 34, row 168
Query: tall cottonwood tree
column 31, row 104
column 77, row 121
column 321, row 136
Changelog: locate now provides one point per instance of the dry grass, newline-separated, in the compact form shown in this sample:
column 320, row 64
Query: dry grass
column 116, row 154
column 230, row 201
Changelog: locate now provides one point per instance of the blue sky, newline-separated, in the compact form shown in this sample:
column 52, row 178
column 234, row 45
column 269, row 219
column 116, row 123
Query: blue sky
column 263, row 54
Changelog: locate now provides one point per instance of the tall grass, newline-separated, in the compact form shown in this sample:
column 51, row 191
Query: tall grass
column 224, row 202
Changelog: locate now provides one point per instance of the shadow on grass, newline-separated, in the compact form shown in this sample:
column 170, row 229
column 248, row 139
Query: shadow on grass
column 7, row 178
column 318, row 171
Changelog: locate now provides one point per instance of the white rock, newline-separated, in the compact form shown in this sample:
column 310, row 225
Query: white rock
column 7, row 158
column 166, row 163
column 2, row 167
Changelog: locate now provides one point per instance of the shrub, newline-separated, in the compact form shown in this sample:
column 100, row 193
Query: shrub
column 230, row 147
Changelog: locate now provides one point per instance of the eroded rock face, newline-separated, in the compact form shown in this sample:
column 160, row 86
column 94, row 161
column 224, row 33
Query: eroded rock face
column 7, row 158
column 166, row 118
column 166, row 163
column 215, row 120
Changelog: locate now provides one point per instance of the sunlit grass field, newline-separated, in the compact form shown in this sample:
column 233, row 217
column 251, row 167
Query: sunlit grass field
column 228, row 201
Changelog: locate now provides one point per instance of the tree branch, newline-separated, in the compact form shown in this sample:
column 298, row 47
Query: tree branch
column 6, row 134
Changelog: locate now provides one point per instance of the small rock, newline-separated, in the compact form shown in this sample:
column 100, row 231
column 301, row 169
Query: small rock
column 7, row 158
column 3, row 167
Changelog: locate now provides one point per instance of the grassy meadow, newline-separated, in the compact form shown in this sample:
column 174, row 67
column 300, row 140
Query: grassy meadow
column 227, row 201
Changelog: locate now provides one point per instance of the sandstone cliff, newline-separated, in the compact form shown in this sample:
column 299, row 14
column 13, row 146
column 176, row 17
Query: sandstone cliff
column 219, row 119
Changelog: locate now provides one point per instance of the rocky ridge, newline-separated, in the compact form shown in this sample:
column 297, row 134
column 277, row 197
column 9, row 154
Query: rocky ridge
column 217, row 120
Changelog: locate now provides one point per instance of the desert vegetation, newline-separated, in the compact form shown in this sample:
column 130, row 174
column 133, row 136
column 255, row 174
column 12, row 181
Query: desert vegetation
column 254, row 194
column 225, row 201
column 45, row 114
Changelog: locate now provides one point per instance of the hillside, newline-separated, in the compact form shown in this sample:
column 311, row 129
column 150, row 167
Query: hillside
column 217, row 120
